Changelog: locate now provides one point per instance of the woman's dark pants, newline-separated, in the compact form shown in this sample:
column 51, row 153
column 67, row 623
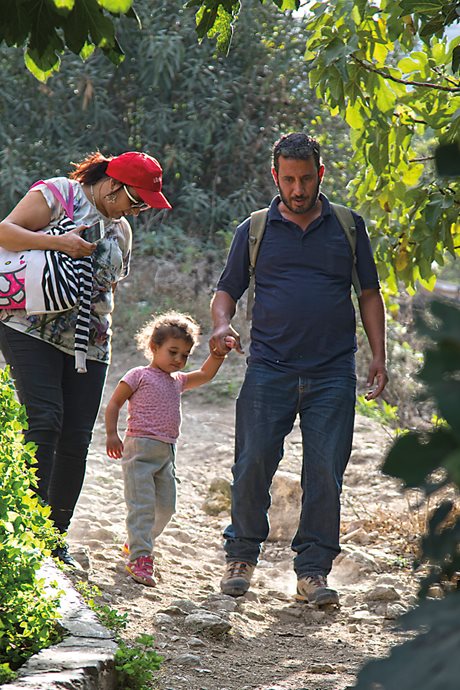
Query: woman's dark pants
column 61, row 407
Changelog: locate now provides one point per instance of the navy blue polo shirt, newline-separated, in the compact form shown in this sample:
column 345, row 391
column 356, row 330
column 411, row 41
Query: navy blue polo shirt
column 303, row 318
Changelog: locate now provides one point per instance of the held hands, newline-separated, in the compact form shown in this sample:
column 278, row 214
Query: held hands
column 73, row 244
column 377, row 379
column 114, row 446
column 230, row 344
column 224, row 340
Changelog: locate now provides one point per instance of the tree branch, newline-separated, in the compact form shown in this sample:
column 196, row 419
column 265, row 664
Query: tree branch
column 444, row 76
column 422, row 84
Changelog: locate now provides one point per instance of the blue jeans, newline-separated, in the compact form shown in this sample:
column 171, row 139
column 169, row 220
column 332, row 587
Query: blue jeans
column 266, row 409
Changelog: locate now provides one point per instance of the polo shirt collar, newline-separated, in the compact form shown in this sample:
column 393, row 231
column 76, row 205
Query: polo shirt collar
column 274, row 214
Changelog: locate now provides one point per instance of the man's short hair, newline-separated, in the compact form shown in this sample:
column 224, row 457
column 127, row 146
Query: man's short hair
column 296, row 145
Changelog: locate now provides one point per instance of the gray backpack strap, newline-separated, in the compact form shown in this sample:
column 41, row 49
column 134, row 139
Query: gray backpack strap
column 256, row 232
column 347, row 221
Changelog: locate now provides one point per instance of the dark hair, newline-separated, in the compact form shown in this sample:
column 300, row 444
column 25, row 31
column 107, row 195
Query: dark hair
column 91, row 169
column 296, row 145
column 172, row 324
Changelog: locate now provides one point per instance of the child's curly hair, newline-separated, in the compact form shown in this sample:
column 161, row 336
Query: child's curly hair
column 172, row 324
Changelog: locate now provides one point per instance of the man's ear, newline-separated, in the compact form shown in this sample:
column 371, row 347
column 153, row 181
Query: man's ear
column 275, row 176
column 321, row 172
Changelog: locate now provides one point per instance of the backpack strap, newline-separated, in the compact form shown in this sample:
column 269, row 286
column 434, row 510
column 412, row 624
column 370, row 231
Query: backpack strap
column 66, row 205
column 257, row 225
column 347, row 221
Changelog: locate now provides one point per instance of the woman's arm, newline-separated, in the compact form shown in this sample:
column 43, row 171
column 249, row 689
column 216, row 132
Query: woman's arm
column 18, row 231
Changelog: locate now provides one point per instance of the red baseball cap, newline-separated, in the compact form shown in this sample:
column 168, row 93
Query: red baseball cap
column 141, row 172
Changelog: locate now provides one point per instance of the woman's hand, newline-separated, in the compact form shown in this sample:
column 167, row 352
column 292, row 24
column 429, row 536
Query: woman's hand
column 73, row 244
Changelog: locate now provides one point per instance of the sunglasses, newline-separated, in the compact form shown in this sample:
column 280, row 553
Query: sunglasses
column 135, row 203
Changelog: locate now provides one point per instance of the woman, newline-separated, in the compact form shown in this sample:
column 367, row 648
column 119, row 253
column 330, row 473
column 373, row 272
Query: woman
column 61, row 403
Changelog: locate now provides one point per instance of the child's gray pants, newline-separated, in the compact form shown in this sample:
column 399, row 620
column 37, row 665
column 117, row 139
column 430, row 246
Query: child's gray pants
column 150, row 491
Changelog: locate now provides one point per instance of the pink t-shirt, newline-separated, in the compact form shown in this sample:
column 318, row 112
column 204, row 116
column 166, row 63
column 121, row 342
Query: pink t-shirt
column 154, row 408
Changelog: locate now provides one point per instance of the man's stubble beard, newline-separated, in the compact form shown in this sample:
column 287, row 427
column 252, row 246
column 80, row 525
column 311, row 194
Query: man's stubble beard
column 303, row 209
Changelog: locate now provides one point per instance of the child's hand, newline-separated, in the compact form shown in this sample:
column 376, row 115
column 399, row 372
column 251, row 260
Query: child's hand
column 230, row 342
column 114, row 446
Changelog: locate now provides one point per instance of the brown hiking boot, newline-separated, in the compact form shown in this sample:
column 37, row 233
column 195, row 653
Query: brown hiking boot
column 237, row 578
column 314, row 589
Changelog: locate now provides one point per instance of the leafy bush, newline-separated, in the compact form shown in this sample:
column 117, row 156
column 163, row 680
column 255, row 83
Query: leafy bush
column 381, row 411
column 108, row 616
column 135, row 665
column 430, row 462
column 27, row 612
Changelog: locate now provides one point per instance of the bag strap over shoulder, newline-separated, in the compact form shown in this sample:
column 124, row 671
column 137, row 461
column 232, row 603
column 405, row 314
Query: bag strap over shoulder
column 256, row 232
column 257, row 226
column 66, row 205
column 347, row 221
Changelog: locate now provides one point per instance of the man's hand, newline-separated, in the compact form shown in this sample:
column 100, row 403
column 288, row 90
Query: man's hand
column 223, row 339
column 377, row 379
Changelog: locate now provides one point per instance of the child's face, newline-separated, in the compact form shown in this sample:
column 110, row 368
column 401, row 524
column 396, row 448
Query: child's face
column 172, row 355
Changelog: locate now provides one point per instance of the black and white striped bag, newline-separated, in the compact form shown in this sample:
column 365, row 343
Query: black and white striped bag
column 48, row 281
column 54, row 282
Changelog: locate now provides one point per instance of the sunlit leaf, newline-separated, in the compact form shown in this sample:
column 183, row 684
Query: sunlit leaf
column 116, row 6
column 64, row 4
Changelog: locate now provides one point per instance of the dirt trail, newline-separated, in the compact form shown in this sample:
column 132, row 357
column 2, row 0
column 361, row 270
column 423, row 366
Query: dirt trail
column 272, row 642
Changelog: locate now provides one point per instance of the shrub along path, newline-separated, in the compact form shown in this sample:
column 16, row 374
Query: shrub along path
column 265, row 640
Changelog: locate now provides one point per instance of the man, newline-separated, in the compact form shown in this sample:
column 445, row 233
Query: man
column 301, row 361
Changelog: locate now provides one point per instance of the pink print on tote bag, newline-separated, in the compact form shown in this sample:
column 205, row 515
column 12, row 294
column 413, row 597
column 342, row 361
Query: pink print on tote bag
column 13, row 265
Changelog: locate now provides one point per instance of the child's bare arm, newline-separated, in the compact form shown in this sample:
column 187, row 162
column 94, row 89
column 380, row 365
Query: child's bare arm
column 114, row 444
column 205, row 373
column 210, row 366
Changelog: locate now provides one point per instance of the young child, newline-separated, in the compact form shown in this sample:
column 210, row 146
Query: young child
column 153, row 393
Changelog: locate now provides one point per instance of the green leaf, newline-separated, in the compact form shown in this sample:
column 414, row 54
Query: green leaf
column 456, row 59
column 420, row 6
column 16, row 30
column 434, row 26
column 427, row 661
column 353, row 116
column 116, row 6
column 41, row 66
column 413, row 460
column 63, row 4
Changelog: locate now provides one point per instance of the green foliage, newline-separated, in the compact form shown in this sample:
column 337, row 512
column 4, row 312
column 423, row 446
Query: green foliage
column 392, row 82
column 108, row 616
column 390, row 70
column 216, row 18
column 28, row 612
column 137, row 664
column 47, row 28
column 379, row 410
column 430, row 660
column 158, row 100
column 431, row 462
column 6, row 674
